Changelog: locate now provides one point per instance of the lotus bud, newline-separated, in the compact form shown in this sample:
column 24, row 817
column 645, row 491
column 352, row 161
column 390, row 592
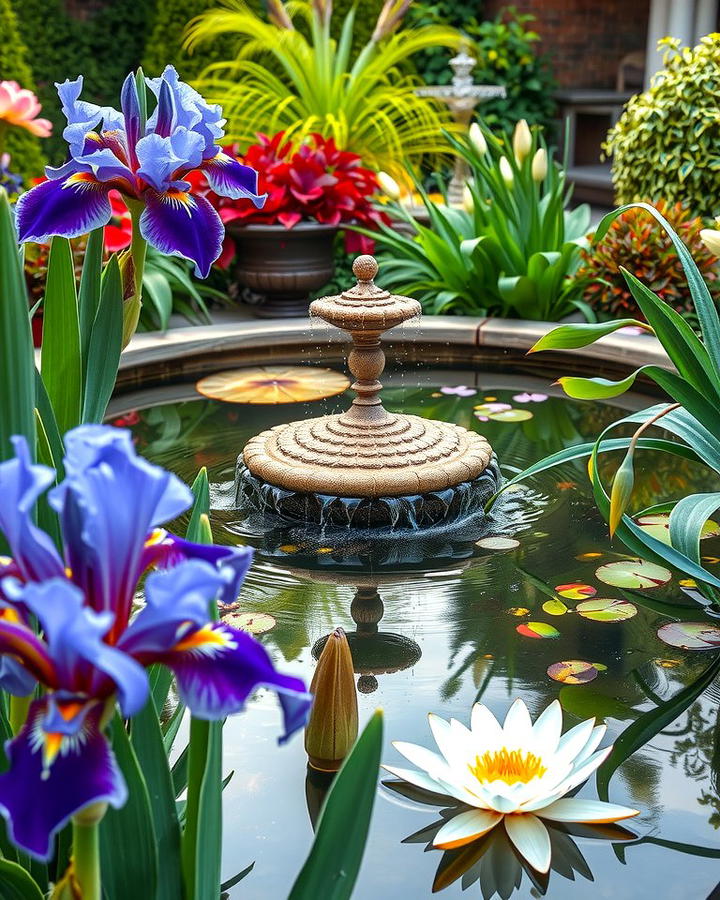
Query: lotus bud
column 711, row 238
column 388, row 185
column 622, row 488
column 522, row 141
column 506, row 171
column 539, row 165
column 477, row 139
column 333, row 725
column 468, row 201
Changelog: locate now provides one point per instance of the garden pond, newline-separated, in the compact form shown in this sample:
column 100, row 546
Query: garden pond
column 437, row 624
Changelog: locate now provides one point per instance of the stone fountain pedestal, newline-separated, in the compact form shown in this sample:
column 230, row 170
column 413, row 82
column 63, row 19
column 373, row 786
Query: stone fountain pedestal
column 367, row 467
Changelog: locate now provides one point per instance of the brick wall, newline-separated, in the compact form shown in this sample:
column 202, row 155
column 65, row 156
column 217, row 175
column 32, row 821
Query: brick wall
column 586, row 39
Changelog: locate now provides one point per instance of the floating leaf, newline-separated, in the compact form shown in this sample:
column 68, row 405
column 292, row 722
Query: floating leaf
column 511, row 415
column 273, row 384
column 498, row 543
column 633, row 573
column 537, row 630
column 518, row 611
column 573, row 671
column 575, row 590
column 710, row 560
column 254, row 623
column 606, row 610
column 289, row 548
column 668, row 663
column 554, row 608
column 687, row 582
column 657, row 525
column 690, row 635
column 484, row 409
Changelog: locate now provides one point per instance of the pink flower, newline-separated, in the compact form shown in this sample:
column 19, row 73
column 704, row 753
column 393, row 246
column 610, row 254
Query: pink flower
column 461, row 390
column 529, row 398
column 19, row 106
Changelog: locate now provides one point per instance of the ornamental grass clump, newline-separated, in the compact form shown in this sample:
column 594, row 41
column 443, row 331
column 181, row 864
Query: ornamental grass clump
column 634, row 241
column 366, row 101
column 667, row 142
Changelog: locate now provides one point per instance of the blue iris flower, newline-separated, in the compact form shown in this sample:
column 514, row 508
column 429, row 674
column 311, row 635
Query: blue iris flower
column 148, row 163
column 90, row 651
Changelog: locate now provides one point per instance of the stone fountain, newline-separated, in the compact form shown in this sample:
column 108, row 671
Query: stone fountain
column 368, row 468
column 462, row 95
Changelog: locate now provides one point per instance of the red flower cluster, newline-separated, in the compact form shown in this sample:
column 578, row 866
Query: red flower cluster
column 316, row 182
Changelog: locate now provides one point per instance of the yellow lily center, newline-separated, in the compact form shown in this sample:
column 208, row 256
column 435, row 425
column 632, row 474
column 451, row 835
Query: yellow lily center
column 510, row 766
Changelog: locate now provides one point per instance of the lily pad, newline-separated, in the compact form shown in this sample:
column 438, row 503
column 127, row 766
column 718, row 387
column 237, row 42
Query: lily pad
column 633, row 573
column 537, row 630
column 554, row 607
column 657, row 525
column 576, row 590
column 253, row 623
column 498, row 543
column 518, row 611
column 573, row 671
column 511, row 415
column 273, row 384
column 601, row 609
column 690, row 635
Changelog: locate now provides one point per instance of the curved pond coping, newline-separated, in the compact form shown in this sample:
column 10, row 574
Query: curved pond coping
column 187, row 352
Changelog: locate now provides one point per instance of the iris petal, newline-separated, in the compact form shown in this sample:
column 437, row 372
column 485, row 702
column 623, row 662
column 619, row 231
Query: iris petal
column 217, row 668
column 69, row 207
column 229, row 178
column 178, row 224
column 21, row 483
column 38, row 799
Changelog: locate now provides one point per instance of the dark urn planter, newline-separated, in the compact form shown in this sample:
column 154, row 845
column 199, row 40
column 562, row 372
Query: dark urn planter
column 284, row 265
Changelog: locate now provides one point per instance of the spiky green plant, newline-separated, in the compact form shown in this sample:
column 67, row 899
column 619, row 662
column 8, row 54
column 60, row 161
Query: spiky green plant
column 365, row 100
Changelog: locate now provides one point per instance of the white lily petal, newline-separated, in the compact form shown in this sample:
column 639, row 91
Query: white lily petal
column 531, row 839
column 573, row 741
column 451, row 742
column 501, row 803
column 517, row 727
column 485, row 727
column 547, row 728
column 574, row 809
column 465, row 827
column 598, row 733
column 418, row 779
column 539, row 803
column 586, row 769
column 425, row 759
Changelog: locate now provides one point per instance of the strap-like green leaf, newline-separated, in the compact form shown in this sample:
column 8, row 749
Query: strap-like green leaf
column 17, row 367
column 127, row 839
column 332, row 867
column 571, row 337
column 687, row 520
column 61, row 363
column 16, row 883
column 105, row 345
column 89, row 292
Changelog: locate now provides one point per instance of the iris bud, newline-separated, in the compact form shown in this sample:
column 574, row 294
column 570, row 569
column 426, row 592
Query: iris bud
column 333, row 725
column 622, row 488
column 539, row 165
column 388, row 185
column 522, row 141
column 477, row 139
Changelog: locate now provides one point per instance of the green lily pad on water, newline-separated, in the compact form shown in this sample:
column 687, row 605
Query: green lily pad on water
column 633, row 573
column 510, row 415
column 690, row 635
column 601, row 609
column 657, row 525
column 554, row 607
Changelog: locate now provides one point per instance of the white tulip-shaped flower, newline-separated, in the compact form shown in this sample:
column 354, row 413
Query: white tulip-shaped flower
column 516, row 773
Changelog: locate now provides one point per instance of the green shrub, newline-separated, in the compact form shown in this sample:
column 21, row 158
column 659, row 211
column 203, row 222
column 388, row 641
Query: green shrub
column 25, row 148
column 666, row 144
column 506, row 53
column 103, row 48
column 165, row 42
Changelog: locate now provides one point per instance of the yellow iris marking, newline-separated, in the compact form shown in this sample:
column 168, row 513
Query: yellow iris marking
column 510, row 766
column 53, row 743
column 9, row 615
column 201, row 638
column 155, row 537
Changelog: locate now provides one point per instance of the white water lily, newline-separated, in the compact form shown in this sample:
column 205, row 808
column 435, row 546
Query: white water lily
column 516, row 773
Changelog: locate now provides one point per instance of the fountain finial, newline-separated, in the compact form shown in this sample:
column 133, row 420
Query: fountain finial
column 365, row 268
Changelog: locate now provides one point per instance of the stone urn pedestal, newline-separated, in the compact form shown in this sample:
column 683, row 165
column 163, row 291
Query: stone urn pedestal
column 284, row 265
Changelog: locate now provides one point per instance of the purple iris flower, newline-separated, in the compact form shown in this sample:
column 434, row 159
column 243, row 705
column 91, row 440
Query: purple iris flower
column 147, row 162
column 90, row 651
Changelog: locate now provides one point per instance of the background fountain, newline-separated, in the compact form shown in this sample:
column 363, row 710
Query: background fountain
column 367, row 468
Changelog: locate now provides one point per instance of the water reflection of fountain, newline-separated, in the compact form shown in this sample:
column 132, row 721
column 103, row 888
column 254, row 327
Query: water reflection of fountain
column 374, row 652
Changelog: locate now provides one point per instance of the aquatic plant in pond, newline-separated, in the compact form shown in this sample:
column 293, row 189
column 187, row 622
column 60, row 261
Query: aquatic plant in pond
column 517, row 774
column 147, row 159
column 90, row 654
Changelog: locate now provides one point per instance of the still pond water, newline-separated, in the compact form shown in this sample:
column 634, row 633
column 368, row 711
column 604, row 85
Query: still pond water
column 449, row 635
